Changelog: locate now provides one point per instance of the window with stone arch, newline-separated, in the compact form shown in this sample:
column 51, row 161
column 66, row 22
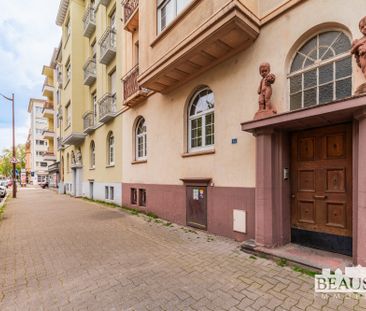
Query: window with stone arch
column 110, row 149
column 201, row 120
column 92, row 154
column 141, row 140
column 321, row 70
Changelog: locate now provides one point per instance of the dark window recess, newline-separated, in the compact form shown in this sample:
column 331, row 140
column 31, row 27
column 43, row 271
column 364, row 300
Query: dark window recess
column 133, row 196
column 142, row 197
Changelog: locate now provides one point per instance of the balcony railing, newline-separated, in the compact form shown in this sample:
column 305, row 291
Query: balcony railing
column 47, row 105
column 89, row 21
column 129, row 7
column 133, row 93
column 89, row 122
column 107, row 107
column 90, row 72
column 107, row 46
column 48, row 110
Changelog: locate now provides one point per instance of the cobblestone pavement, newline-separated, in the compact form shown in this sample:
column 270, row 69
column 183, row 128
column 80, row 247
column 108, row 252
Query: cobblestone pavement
column 61, row 253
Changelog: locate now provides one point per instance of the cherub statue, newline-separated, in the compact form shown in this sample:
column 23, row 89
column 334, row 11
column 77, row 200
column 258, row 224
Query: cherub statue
column 79, row 158
column 359, row 50
column 265, row 88
column 73, row 162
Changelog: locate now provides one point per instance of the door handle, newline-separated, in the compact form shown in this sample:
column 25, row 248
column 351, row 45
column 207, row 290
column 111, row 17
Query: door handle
column 293, row 196
column 320, row 197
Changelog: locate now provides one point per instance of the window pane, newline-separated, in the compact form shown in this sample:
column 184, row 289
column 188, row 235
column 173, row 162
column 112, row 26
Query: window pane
column 326, row 93
column 202, row 102
column 297, row 63
column 181, row 4
column 327, row 38
column 295, row 84
column 326, row 73
column 344, row 68
column 343, row 88
column 309, row 46
column 342, row 45
column 295, row 101
column 210, row 126
column 196, row 133
column 328, row 54
column 310, row 97
column 310, row 78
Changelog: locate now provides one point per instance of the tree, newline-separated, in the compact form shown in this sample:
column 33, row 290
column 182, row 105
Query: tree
column 6, row 167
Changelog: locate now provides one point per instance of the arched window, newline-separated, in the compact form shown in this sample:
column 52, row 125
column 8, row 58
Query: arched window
column 92, row 154
column 110, row 149
column 321, row 71
column 141, row 141
column 68, row 163
column 201, row 120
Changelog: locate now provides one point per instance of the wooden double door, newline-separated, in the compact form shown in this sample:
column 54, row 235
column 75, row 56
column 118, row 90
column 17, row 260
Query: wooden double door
column 321, row 188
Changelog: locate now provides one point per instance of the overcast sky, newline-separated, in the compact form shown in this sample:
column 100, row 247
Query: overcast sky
column 28, row 35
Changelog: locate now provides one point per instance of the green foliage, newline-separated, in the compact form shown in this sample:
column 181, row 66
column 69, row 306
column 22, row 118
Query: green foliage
column 304, row 271
column 282, row 262
column 252, row 257
column 6, row 166
column 152, row 215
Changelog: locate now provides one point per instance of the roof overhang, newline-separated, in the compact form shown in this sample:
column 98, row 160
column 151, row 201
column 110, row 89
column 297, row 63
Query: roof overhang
column 344, row 110
column 62, row 10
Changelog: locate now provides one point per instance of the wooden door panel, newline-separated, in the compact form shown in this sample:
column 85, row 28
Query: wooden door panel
column 197, row 207
column 321, row 183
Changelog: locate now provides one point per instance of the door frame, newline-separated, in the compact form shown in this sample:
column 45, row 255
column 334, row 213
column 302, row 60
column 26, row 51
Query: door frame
column 328, row 241
column 197, row 182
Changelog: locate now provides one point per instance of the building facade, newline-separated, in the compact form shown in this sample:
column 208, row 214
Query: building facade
column 89, row 100
column 38, row 143
column 191, row 151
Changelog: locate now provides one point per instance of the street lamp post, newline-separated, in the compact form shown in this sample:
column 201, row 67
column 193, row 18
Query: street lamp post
column 14, row 153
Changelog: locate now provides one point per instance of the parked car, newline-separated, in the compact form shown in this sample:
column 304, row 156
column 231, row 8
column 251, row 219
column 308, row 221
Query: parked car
column 2, row 192
column 10, row 183
column 4, row 183
column 44, row 185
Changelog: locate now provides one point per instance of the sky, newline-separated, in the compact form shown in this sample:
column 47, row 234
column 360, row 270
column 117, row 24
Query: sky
column 28, row 36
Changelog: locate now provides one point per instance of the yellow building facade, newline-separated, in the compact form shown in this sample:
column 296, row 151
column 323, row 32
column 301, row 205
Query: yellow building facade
column 89, row 99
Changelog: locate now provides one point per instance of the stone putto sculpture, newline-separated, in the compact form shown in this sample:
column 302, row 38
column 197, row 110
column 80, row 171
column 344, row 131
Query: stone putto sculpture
column 359, row 50
column 79, row 158
column 265, row 92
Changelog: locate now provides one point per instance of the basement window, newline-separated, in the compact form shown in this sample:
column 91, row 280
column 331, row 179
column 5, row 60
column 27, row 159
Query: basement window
column 134, row 196
column 142, row 197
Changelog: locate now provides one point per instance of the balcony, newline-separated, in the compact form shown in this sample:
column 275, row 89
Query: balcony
column 74, row 138
column 47, row 89
column 89, row 122
column 48, row 134
column 89, row 21
column 49, row 156
column 219, row 35
column 131, row 16
column 133, row 93
column 107, row 46
column 107, row 108
column 48, row 110
column 90, row 72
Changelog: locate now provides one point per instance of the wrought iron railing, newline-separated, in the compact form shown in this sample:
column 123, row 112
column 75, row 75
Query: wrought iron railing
column 88, row 120
column 107, row 105
column 129, row 6
column 130, row 84
column 89, row 17
column 108, row 41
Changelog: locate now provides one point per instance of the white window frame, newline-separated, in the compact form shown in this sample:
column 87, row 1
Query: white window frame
column 143, row 136
column 201, row 116
column 164, row 3
column 92, row 154
column 111, row 149
column 316, row 67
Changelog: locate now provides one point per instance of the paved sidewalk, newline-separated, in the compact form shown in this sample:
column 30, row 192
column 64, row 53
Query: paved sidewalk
column 60, row 253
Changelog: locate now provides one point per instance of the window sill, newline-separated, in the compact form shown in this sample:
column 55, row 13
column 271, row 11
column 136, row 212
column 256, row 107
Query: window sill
column 138, row 162
column 92, row 169
column 67, row 40
column 198, row 153
column 168, row 28
column 109, row 166
column 67, row 127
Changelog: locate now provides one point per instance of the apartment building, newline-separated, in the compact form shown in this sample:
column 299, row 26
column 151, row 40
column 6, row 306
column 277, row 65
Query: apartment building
column 192, row 151
column 38, row 142
column 48, row 112
column 90, row 105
